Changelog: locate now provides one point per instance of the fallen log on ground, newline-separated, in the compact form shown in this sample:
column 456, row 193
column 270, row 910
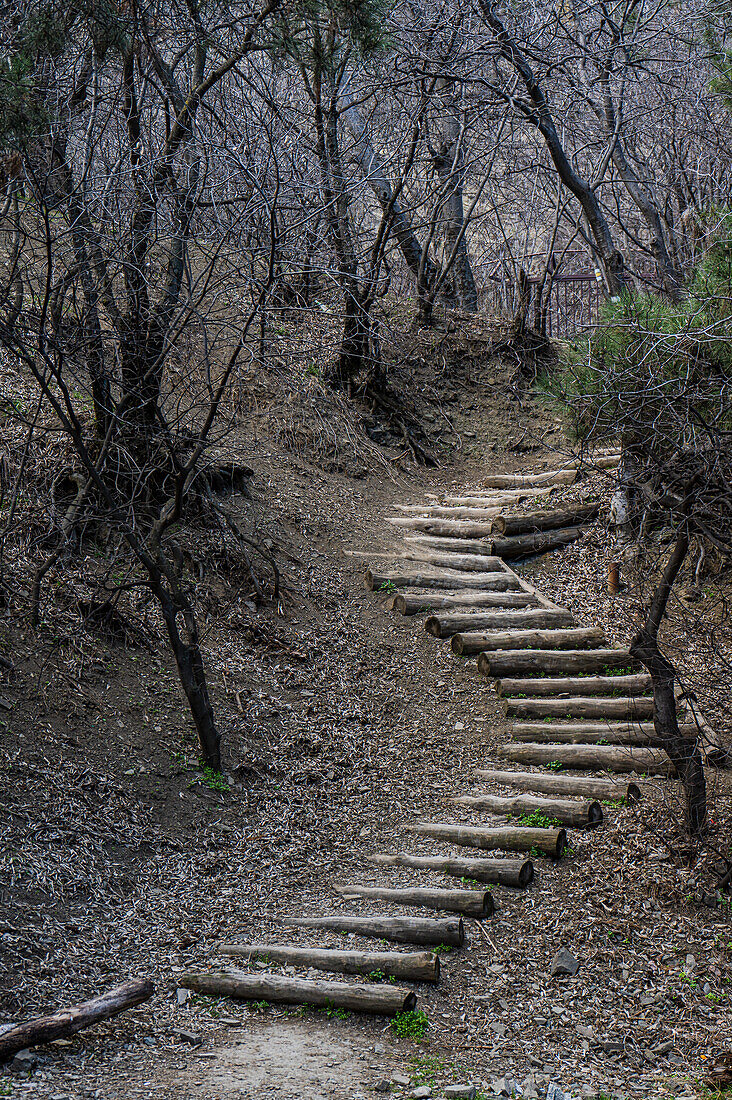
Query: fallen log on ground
column 450, row 528
column 584, row 815
column 471, row 903
column 377, row 581
column 591, row 757
column 545, row 521
column 580, row 785
column 502, row 872
column 444, row 626
column 466, row 644
column 521, row 546
column 382, row 1000
column 67, row 1021
column 543, row 660
column 414, row 605
column 421, row 930
column 417, row 966
column 510, row 838
column 636, row 684
column 581, row 706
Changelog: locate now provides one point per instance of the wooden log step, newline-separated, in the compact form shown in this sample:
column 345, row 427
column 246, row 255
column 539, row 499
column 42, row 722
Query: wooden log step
column 587, row 757
column 422, row 930
column 453, row 528
column 502, row 872
column 381, row 1000
column 546, row 520
column 581, row 706
column 581, row 786
column 510, row 838
column 565, row 476
column 376, row 581
column 459, row 546
column 541, row 542
column 73, row 1018
column 415, row 604
column 441, row 511
column 636, row 684
column 544, row 661
column 444, row 626
column 578, row 815
column 585, row 733
column 476, row 563
column 416, row 966
column 471, row 903
column 500, row 498
column 465, row 644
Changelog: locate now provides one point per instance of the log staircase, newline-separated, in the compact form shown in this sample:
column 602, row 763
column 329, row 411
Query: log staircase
column 582, row 715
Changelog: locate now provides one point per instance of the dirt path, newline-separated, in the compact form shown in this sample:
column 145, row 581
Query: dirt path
column 353, row 724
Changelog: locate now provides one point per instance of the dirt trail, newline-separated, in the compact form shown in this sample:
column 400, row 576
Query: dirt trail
column 345, row 724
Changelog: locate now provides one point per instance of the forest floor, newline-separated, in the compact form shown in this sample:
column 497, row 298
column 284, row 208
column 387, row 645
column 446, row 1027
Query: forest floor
column 341, row 725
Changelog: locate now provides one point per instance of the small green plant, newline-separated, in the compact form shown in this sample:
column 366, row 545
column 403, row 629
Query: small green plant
column 380, row 976
column 259, row 1006
column 214, row 780
column 387, row 586
column 427, row 1068
column 410, row 1025
column 555, row 765
column 339, row 1013
column 537, row 820
column 442, row 949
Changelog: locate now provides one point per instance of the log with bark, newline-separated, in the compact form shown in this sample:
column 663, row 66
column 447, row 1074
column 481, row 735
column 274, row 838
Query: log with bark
column 421, row 930
column 500, row 498
column 444, row 626
column 471, row 903
column 382, row 1000
column 566, row 476
column 416, row 966
column 579, row 785
column 502, row 872
column 510, row 838
column 537, row 661
column 578, row 815
column 585, row 733
column 636, row 684
column 582, row 706
column 466, row 644
column 415, row 604
column 445, row 579
column 530, row 522
column 591, row 757
column 447, row 528
column 475, row 563
column 440, row 511
column 521, row 546
column 459, row 546
column 67, row 1021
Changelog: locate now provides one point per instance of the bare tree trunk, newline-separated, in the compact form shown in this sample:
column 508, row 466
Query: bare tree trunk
column 449, row 164
column 538, row 113
column 683, row 751
column 189, row 660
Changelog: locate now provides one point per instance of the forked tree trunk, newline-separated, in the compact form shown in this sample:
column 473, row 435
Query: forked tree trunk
column 189, row 661
column 683, row 751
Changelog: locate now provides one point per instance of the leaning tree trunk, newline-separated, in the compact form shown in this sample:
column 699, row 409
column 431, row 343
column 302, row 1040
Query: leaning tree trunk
column 189, row 660
column 683, row 751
